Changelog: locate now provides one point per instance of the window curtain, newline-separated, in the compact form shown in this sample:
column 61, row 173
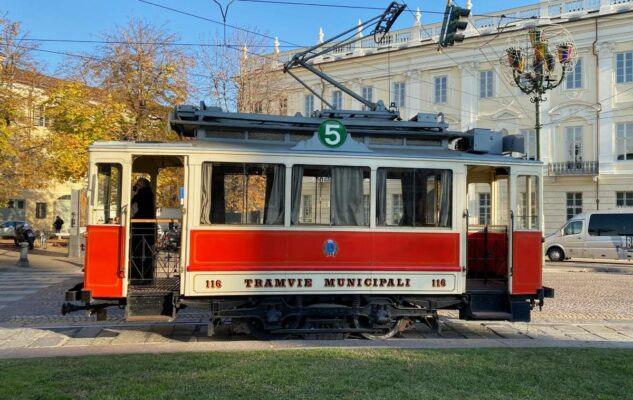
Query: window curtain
column 205, row 205
column 274, row 204
column 445, row 198
column 297, row 180
column 347, row 196
column 218, row 208
column 381, row 196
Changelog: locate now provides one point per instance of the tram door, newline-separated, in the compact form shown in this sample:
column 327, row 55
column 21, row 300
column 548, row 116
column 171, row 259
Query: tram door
column 489, row 228
column 105, row 233
column 156, row 204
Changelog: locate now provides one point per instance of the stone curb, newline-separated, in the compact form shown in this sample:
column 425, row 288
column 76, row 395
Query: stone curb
column 223, row 346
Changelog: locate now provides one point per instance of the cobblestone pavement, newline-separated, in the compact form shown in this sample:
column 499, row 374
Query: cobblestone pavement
column 591, row 308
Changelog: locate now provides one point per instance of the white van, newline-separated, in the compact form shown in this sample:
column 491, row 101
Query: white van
column 599, row 235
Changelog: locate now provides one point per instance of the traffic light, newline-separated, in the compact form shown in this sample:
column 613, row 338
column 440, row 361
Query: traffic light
column 453, row 25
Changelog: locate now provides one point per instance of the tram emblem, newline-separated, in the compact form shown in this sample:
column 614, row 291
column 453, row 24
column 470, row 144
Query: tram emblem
column 330, row 248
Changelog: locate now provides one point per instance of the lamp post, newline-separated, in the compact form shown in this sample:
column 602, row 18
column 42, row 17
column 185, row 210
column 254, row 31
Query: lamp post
column 534, row 71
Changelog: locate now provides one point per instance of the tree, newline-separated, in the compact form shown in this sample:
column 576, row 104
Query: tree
column 21, row 90
column 80, row 115
column 240, row 79
column 142, row 69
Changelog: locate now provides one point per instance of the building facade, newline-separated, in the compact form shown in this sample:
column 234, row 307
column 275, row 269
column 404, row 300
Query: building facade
column 587, row 135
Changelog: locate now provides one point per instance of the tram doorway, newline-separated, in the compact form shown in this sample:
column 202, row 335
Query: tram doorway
column 155, row 239
column 489, row 228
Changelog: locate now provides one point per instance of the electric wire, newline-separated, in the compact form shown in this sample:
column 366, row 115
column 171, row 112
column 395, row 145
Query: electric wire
column 296, row 3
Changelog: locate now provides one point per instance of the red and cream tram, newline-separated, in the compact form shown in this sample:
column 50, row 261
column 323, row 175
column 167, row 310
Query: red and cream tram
column 335, row 223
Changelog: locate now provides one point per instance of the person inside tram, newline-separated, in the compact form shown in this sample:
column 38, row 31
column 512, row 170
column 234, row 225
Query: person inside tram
column 143, row 208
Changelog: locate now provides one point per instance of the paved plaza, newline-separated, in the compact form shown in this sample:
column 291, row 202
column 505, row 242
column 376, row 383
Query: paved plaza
column 593, row 307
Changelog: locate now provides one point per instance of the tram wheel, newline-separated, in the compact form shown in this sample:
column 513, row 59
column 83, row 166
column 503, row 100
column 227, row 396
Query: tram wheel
column 392, row 329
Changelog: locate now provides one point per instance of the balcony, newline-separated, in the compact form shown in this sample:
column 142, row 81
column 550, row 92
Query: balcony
column 573, row 168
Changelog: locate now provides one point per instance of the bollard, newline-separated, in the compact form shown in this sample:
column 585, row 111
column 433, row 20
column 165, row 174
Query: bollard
column 24, row 255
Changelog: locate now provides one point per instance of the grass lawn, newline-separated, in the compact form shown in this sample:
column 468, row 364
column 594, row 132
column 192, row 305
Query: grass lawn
column 328, row 374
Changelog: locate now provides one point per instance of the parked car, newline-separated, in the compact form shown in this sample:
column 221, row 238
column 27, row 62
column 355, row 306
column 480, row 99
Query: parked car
column 599, row 235
column 7, row 228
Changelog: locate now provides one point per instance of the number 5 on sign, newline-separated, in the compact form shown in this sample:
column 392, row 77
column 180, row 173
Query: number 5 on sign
column 332, row 133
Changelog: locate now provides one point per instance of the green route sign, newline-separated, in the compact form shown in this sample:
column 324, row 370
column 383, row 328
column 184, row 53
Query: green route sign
column 332, row 133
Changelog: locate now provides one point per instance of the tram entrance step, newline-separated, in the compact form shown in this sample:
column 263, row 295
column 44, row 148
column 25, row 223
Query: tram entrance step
column 488, row 306
column 495, row 306
column 150, row 306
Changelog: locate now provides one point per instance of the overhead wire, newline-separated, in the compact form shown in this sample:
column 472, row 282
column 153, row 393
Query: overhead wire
column 297, row 3
column 93, row 41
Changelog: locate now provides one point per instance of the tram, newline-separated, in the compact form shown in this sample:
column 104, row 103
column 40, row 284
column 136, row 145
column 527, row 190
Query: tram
column 337, row 223
column 340, row 222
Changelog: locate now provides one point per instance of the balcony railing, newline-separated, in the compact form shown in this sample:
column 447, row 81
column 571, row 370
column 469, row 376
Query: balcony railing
column 573, row 168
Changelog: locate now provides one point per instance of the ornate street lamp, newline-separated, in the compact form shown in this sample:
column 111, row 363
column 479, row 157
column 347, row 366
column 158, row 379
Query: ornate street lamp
column 539, row 67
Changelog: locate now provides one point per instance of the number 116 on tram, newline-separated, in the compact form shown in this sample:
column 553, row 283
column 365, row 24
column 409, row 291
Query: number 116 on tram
column 336, row 223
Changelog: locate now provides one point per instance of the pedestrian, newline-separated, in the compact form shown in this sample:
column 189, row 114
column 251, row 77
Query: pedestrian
column 57, row 224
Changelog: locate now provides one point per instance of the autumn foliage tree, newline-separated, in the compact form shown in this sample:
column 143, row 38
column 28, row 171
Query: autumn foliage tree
column 21, row 89
column 80, row 115
column 142, row 69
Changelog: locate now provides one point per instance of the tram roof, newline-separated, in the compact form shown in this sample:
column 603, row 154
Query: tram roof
column 289, row 149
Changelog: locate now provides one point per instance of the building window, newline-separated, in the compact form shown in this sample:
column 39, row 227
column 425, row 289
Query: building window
column 368, row 94
column 40, row 210
column 308, row 105
column 574, row 77
column 18, row 204
column 283, row 106
column 399, row 94
column 486, row 82
column 366, row 203
column 396, row 208
column 484, row 208
column 306, row 209
column 574, row 204
column 624, row 199
column 624, row 67
column 529, row 137
column 439, row 87
column 337, row 100
column 39, row 116
column 574, row 143
column 258, row 108
column 624, row 141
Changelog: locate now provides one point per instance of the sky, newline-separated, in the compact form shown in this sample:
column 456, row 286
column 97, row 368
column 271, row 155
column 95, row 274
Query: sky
column 292, row 24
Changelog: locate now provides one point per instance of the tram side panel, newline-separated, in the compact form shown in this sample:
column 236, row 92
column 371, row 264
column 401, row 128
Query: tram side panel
column 241, row 262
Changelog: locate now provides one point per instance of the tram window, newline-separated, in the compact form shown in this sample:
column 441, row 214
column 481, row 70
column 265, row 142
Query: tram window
column 107, row 209
column 242, row 194
column 414, row 197
column 527, row 203
column 330, row 195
